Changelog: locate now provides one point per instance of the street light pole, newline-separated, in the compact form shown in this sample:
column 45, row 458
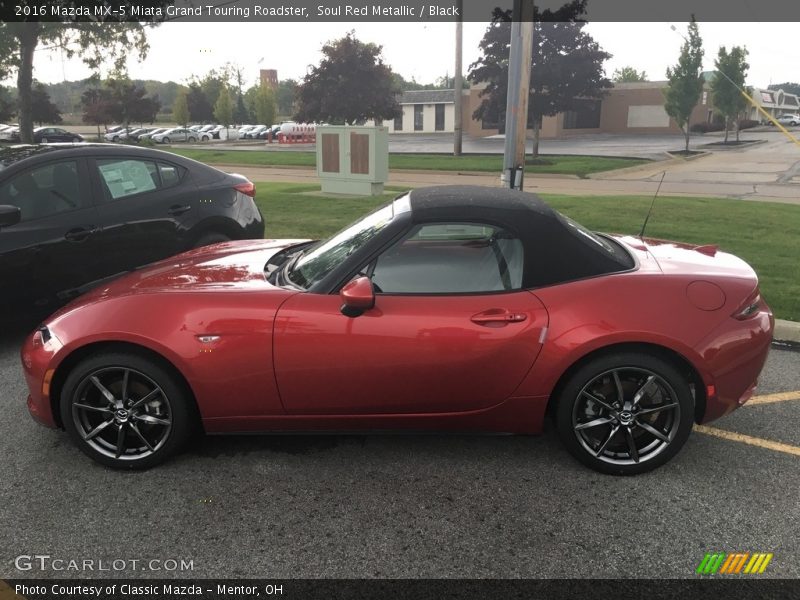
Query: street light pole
column 519, row 72
column 457, row 83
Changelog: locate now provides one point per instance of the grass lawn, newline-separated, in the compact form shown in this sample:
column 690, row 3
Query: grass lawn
column 764, row 234
column 560, row 164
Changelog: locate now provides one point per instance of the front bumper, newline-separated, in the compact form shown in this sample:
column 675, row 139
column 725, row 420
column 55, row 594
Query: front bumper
column 37, row 364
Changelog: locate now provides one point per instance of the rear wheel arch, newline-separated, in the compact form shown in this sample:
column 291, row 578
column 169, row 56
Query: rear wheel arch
column 679, row 361
column 211, row 226
column 76, row 356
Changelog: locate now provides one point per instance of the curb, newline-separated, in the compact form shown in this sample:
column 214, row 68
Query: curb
column 658, row 164
column 787, row 331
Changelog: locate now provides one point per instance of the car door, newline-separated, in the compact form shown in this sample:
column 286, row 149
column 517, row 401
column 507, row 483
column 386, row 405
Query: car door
column 50, row 252
column 451, row 330
column 143, row 207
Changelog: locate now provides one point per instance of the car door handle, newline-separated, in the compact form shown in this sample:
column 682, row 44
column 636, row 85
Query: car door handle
column 178, row 209
column 498, row 315
column 79, row 233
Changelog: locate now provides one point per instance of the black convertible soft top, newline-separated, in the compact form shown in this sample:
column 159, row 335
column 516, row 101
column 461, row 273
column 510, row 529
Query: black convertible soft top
column 556, row 249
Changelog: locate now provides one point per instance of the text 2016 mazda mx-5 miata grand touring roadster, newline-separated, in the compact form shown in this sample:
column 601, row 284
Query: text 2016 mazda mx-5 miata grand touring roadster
column 449, row 308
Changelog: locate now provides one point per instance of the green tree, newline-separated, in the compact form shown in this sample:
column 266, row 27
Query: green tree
column 727, row 85
column 106, row 38
column 7, row 105
column 240, row 113
column 566, row 65
column 180, row 110
column 265, row 105
column 223, row 109
column 788, row 86
column 285, row 96
column 628, row 75
column 200, row 109
column 96, row 104
column 130, row 103
column 42, row 110
column 351, row 84
column 685, row 81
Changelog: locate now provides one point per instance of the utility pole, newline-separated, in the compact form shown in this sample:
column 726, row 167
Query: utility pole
column 519, row 74
column 457, row 83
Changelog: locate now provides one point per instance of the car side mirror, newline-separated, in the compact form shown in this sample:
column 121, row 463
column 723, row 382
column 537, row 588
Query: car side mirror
column 357, row 296
column 9, row 215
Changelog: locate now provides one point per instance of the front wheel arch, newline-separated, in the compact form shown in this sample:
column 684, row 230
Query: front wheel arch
column 678, row 361
column 76, row 356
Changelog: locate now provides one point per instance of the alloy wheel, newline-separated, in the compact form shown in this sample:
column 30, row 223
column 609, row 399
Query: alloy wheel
column 122, row 413
column 626, row 415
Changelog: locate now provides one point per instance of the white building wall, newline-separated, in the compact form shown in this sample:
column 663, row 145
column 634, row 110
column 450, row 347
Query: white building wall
column 428, row 119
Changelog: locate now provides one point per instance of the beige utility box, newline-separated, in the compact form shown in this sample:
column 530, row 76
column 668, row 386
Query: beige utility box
column 352, row 159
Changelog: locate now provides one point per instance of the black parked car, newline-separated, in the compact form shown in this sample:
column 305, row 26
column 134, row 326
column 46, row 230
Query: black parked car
column 74, row 215
column 46, row 135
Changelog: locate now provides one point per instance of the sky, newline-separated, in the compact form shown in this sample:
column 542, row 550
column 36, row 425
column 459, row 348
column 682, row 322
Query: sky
column 422, row 52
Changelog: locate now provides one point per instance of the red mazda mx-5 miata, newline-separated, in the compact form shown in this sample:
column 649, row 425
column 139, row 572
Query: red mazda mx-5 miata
column 449, row 308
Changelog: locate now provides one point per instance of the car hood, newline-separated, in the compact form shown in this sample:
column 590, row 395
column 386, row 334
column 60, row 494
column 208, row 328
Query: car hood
column 235, row 265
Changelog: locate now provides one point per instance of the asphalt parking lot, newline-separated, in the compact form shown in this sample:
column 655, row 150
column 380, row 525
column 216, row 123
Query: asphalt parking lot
column 405, row 506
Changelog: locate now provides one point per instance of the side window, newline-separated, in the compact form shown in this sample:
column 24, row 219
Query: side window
column 47, row 190
column 126, row 177
column 170, row 174
column 451, row 258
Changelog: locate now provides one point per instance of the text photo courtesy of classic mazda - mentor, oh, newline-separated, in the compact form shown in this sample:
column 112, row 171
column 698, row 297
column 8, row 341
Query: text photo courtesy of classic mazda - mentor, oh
column 450, row 308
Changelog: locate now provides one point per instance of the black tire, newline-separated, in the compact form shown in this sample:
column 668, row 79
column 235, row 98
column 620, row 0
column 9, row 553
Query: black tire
column 211, row 238
column 115, row 139
column 191, row 140
column 159, row 426
column 165, row 140
column 613, row 437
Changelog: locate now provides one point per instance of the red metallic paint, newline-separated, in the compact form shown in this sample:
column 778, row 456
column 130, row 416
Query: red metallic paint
column 287, row 360
column 358, row 294
column 409, row 354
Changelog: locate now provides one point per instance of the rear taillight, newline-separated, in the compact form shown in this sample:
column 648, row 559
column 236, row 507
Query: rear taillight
column 248, row 188
column 749, row 307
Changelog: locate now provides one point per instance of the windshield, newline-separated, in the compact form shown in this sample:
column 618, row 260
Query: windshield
column 316, row 262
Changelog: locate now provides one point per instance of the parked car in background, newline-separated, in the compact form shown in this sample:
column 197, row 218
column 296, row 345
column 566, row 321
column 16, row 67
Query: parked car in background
column 273, row 131
column 116, row 135
column 176, row 134
column 454, row 308
column 9, row 134
column 244, row 129
column 114, row 128
column 253, row 133
column 44, row 135
column 132, row 134
column 75, row 214
column 215, row 131
column 138, row 133
column 206, row 133
column 148, row 135
column 792, row 120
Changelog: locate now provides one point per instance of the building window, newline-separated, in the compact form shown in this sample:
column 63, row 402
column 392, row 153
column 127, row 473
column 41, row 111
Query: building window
column 418, row 117
column 439, row 117
column 398, row 122
column 585, row 115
